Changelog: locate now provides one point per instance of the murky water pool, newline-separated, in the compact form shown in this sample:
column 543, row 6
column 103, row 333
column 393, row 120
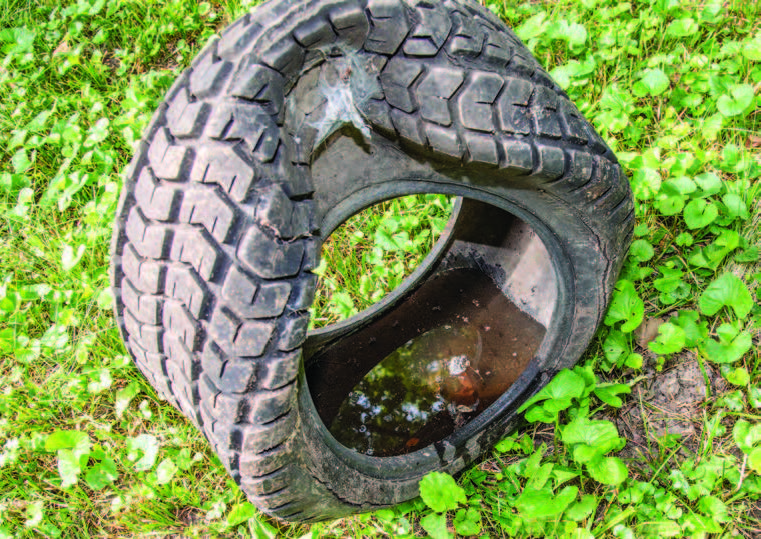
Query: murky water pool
column 426, row 368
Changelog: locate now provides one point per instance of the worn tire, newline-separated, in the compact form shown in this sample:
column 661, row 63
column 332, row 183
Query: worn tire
column 221, row 221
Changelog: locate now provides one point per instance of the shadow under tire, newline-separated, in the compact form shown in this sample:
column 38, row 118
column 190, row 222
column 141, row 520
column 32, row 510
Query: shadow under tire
column 236, row 184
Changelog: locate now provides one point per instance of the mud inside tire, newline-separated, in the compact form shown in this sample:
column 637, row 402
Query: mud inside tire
column 300, row 115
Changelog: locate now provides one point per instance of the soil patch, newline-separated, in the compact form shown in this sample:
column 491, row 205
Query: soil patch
column 670, row 402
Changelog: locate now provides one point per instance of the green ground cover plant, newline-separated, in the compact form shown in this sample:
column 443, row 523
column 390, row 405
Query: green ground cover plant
column 655, row 433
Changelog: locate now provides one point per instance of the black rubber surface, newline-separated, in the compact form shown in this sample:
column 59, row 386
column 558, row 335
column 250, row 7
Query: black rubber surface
column 218, row 227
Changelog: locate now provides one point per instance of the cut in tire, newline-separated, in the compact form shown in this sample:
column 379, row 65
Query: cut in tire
column 300, row 115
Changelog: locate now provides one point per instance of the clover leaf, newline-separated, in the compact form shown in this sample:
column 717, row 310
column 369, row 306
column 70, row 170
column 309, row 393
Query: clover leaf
column 440, row 492
column 557, row 395
column 625, row 306
column 670, row 340
column 653, row 82
column 731, row 346
column 726, row 291
column 699, row 214
column 739, row 101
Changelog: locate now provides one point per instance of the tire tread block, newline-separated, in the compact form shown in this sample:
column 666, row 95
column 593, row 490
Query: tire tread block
column 396, row 79
column 260, row 84
column 512, row 107
column 279, row 370
column 146, row 274
column 185, row 285
column 257, row 439
column 185, row 118
column 157, row 202
column 350, row 23
column 234, row 375
column 197, row 248
column 467, row 38
column 430, row 32
column 152, row 365
column 434, row 92
column 251, row 125
column 210, row 209
column 237, row 36
column 315, row 33
column 240, row 338
column 272, row 482
column 268, row 257
column 389, row 26
column 149, row 240
column 207, row 75
column 285, row 56
column 475, row 102
column 219, row 164
column 145, row 308
column 285, row 218
column 178, row 322
column 293, row 332
column 148, row 336
column 167, row 160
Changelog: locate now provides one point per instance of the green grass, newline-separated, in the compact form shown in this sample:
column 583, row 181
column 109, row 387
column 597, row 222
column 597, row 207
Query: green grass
column 86, row 447
column 371, row 253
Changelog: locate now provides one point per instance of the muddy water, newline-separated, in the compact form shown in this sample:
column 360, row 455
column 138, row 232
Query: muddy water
column 426, row 368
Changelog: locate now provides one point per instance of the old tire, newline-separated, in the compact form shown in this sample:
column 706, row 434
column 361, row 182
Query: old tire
column 223, row 212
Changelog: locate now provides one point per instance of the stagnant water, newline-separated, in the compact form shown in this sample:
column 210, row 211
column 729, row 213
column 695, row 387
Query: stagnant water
column 426, row 368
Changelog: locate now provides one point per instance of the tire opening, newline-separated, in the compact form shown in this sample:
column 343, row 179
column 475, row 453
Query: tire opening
column 429, row 364
column 373, row 252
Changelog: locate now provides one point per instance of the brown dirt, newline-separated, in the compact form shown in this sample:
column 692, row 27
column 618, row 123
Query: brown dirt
column 668, row 402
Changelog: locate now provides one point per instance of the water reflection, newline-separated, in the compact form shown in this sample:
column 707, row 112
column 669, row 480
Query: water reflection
column 430, row 376
column 426, row 368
